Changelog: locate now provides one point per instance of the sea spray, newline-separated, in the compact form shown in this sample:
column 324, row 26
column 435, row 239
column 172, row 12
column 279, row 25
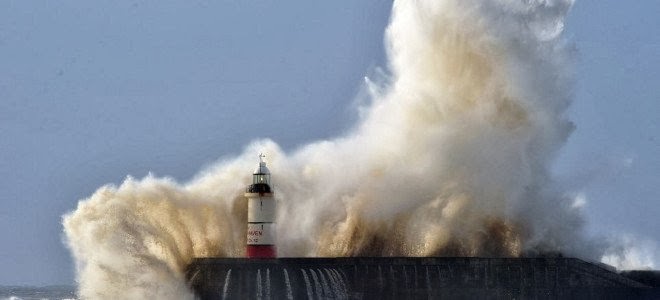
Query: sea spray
column 451, row 157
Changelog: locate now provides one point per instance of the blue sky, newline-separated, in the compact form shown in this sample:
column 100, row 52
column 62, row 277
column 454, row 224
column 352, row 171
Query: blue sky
column 91, row 92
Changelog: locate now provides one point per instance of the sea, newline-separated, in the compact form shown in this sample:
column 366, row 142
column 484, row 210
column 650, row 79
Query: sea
column 55, row 292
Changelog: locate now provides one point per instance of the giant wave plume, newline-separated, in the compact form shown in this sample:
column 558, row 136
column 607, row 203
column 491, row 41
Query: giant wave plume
column 450, row 157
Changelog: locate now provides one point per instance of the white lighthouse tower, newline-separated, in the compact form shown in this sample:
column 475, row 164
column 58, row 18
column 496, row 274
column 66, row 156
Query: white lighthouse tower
column 261, row 214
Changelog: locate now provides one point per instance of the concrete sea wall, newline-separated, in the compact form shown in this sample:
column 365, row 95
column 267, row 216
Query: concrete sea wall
column 410, row 278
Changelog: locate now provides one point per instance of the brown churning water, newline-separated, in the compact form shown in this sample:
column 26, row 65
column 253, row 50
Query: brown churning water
column 450, row 157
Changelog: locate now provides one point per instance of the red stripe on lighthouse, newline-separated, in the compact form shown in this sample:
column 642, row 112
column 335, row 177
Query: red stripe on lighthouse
column 261, row 251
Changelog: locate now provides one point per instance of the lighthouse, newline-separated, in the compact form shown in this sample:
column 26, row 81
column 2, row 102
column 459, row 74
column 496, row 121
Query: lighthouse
column 261, row 214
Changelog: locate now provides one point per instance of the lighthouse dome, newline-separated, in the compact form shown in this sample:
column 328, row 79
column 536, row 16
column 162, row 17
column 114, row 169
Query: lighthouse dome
column 261, row 169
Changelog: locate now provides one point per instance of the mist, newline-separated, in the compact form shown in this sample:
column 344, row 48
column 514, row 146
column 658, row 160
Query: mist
column 451, row 156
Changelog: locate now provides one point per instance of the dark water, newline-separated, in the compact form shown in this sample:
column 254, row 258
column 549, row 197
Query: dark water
column 57, row 292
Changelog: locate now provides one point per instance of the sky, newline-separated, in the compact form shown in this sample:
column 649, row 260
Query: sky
column 91, row 92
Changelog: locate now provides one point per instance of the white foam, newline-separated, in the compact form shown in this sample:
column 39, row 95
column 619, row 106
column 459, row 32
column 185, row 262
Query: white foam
column 451, row 156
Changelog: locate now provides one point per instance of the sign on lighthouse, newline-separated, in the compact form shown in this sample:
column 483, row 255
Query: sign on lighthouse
column 261, row 214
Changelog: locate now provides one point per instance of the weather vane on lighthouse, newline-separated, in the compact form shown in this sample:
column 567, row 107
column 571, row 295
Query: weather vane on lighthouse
column 261, row 214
